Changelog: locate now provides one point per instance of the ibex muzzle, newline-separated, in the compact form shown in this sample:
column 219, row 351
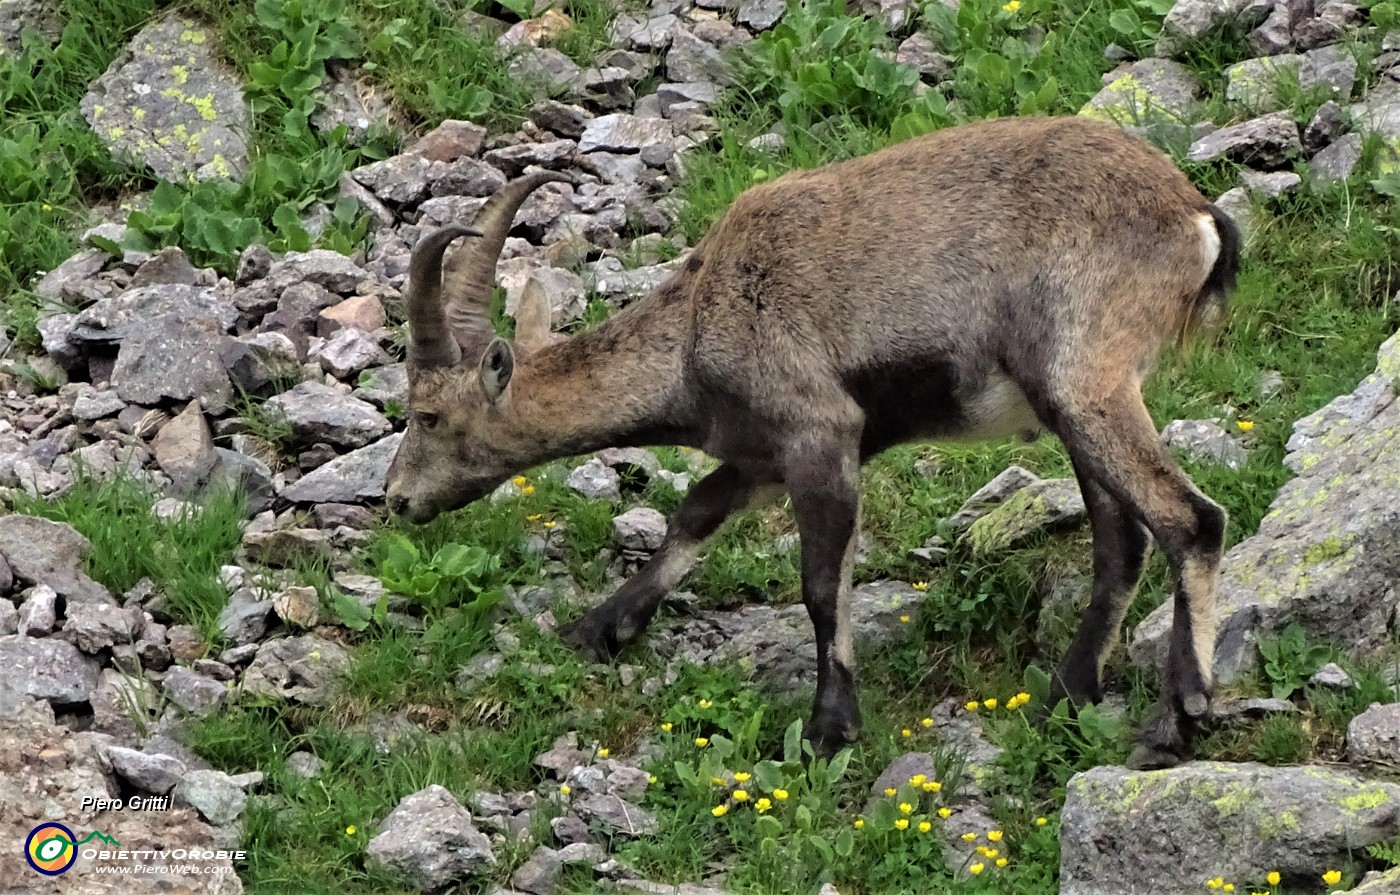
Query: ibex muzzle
column 976, row 282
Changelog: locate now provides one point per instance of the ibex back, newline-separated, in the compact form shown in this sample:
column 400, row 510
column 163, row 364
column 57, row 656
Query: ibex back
column 976, row 282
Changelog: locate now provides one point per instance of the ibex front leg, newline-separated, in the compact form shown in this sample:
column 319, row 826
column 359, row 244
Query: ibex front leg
column 824, row 483
column 605, row 630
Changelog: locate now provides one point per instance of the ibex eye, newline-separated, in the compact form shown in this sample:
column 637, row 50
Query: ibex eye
column 427, row 420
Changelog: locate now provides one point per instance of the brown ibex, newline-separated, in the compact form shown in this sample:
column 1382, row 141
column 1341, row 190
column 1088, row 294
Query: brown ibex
column 974, row 282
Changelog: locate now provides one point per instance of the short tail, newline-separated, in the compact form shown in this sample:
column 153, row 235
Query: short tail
column 1208, row 307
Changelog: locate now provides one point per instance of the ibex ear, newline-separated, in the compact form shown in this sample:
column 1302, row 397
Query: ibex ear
column 497, row 363
column 532, row 317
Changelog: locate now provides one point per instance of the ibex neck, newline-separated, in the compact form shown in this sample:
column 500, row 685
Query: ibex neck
column 620, row 384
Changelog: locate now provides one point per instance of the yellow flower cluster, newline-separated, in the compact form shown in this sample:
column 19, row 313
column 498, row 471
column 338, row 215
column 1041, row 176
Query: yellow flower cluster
column 1013, row 703
column 1273, row 878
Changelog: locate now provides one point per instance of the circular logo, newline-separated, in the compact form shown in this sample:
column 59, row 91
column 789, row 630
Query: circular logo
column 50, row 849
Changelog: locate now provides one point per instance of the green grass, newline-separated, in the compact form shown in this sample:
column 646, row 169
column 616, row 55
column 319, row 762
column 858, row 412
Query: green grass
column 181, row 557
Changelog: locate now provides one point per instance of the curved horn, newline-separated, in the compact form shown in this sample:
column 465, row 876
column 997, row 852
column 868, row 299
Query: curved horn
column 471, row 271
column 430, row 343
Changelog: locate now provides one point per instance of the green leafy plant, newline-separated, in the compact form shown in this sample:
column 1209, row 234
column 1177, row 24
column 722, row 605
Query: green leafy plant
column 821, row 62
column 454, row 570
column 1140, row 23
column 313, row 33
column 1004, row 61
column 1289, row 661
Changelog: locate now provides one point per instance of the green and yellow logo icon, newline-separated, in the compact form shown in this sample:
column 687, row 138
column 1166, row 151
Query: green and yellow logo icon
column 52, row 848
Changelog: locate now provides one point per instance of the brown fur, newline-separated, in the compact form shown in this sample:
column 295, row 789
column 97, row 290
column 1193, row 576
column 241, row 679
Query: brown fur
column 975, row 282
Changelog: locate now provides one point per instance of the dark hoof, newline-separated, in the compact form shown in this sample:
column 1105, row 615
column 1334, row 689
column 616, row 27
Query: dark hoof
column 1165, row 738
column 1153, row 758
column 592, row 639
column 830, row 736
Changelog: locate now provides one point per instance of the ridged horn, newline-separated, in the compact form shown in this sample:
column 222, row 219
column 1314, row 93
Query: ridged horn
column 471, row 271
column 430, row 342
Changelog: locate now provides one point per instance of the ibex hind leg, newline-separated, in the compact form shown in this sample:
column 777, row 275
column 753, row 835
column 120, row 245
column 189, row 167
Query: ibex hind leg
column 1121, row 543
column 605, row 630
column 1113, row 440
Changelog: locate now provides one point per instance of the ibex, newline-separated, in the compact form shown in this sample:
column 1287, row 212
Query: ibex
column 972, row 283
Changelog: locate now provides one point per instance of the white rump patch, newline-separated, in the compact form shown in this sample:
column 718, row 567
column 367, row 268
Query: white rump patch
column 1210, row 243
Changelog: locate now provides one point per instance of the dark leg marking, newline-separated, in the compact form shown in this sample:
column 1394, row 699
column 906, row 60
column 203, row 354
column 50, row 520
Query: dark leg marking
column 824, row 483
column 1121, row 543
column 605, row 630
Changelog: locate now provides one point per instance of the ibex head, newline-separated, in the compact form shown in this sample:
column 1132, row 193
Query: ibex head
column 463, row 437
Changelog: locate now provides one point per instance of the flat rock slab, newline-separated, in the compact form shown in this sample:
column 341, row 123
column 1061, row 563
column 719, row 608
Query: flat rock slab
column 1327, row 555
column 41, row 551
column 1144, row 833
column 430, row 840
column 302, row 669
column 776, row 642
column 357, row 476
column 170, row 103
column 45, row 669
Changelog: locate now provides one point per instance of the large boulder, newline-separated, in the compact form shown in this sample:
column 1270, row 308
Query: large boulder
column 170, row 103
column 1327, row 555
column 1127, row 832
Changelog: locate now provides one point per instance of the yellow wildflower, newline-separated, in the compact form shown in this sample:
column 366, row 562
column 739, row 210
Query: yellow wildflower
column 533, row 517
column 986, row 852
column 519, row 481
column 918, row 779
column 1228, row 887
column 1273, row 878
column 920, row 585
column 906, row 732
column 1012, row 6
column 906, row 808
column 719, row 781
column 994, row 836
column 350, row 830
column 945, row 813
column 1001, row 862
column 976, row 868
column 889, row 792
column 528, row 490
column 927, row 722
column 705, row 703
column 902, row 824
column 602, row 753
column 741, row 776
column 859, row 824
column 969, row 837
column 932, row 786
column 47, row 207
column 702, row 742
column 904, row 619
column 549, row 523
column 780, row 794
column 651, row 779
column 989, row 703
column 1245, row 425
column 971, row 706
column 1023, row 698
column 1040, row 821
column 720, row 810
column 1332, row 877
column 741, row 795
column 565, row 789
column 1215, row 883
column 666, row 727
column 925, row 826
column 762, row 805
